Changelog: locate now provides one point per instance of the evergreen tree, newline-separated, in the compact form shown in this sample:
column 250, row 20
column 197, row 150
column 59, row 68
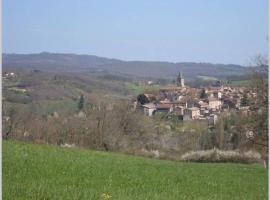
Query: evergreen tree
column 220, row 132
column 203, row 94
column 81, row 102
column 142, row 99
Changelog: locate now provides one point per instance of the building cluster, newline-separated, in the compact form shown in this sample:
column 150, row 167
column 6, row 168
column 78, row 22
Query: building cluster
column 195, row 103
column 7, row 75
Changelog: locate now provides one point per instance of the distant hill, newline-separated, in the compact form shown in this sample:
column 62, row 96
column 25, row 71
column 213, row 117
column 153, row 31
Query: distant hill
column 93, row 64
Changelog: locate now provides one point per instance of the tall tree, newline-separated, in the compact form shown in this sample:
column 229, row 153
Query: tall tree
column 81, row 102
column 257, row 123
column 220, row 133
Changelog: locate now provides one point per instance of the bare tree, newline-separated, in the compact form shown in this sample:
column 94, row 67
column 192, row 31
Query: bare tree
column 257, row 123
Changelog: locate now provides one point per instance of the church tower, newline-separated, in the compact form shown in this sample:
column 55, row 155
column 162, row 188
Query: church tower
column 180, row 80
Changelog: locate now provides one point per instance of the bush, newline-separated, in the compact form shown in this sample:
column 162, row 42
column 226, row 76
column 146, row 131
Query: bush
column 18, row 98
column 142, row 99
column 216, row 155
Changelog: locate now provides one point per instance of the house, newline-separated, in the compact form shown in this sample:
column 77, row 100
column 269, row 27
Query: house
column 163, row 108
column 204, row 111
column 165, row 101
column 149, row 108
column 191, row 113
column 210, row 94
column 217, row 94
column 179, row 110
column 201, row 104
column 180, row 97
column 214, row 103
column 190, row 103
column 228, row 103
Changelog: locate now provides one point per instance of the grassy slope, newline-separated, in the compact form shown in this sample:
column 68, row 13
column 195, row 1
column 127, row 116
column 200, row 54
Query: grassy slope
column 46, row 172
column 241, row 83
column 59, row 92
column 139, row 89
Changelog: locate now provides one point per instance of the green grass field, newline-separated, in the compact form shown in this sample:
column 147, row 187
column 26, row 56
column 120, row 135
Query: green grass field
column 241, row 83
column 139, row 89
column 32, row 171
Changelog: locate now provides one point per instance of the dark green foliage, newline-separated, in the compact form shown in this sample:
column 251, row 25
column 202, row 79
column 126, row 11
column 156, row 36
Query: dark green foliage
column 245, row 100
column 203, row 94
column 8, row 128
column 142, row 99
column 81, row 103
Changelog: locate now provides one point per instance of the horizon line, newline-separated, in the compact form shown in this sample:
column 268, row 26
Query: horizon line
column 125, row 60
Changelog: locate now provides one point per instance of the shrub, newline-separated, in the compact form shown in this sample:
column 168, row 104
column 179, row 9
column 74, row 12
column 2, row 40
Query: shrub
column 142, row 99
column 216, row 155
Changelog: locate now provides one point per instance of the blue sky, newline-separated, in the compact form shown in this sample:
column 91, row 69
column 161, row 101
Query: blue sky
column 217, row 31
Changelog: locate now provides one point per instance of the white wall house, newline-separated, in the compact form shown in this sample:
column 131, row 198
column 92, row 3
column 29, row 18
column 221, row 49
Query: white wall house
column 149, row 108
column 214, row 103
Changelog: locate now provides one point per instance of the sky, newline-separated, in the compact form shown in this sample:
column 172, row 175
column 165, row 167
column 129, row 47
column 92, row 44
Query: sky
column 216, row 31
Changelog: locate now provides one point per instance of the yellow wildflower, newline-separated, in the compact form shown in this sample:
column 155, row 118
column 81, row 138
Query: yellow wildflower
column 106, row 196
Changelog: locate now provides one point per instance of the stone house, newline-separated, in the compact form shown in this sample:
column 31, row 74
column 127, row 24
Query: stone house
column 191, row 113
column 217, row 94
column 201, row 104
column 214, row 103
column 179, row 110
column 149, row 109
column 163, row 108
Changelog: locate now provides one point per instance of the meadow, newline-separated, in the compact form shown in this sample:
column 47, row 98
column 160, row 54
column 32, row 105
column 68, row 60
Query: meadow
column 38, row 171
column 140, row 88
column 240, row 83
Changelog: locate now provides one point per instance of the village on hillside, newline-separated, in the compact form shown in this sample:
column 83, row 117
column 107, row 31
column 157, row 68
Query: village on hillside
column 189, row 103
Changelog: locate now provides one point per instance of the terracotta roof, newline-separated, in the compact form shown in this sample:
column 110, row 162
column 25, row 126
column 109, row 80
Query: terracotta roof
column 212, row 99
column 164, row 106
column 193, row 108
column 149, row 105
